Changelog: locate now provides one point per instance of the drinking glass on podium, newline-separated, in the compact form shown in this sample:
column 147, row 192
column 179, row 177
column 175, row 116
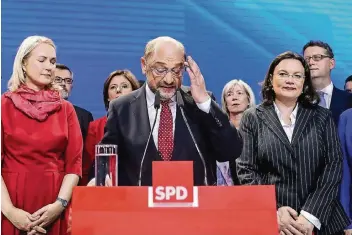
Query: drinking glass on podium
column 106, row 165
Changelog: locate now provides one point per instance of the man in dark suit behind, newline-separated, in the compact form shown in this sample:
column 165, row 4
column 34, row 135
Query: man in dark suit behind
column 84, row 118
column 321, row 61
column 64, row 78
column 131, row 117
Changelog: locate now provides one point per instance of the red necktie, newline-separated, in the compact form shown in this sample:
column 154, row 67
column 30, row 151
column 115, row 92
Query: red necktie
column 165, row 135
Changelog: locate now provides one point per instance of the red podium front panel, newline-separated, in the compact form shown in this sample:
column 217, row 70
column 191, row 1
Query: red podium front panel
column 175, row 209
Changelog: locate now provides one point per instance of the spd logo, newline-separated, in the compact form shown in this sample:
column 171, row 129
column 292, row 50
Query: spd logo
column 172, row 196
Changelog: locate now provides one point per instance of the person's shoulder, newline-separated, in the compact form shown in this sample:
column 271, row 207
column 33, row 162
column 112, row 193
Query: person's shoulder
column 5, row 94
column 321, row 115
column 126, row 100
column 252, row 113
column 67, row 105
column 345, row 120
column 98, row 121
column 81, row 110
column 321, row 111
column 102, row 119
column 7, row 103
column 253, row 110
column 341, row 93
column 4, row 97
column 347, row 114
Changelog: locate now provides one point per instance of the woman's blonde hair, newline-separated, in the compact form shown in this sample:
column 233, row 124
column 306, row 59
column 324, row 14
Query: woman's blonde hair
column 18, row 76
column 245, row 86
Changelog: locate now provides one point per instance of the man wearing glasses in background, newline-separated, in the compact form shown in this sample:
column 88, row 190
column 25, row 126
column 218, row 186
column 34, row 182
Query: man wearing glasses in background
column 64, row 78
column 320, row 59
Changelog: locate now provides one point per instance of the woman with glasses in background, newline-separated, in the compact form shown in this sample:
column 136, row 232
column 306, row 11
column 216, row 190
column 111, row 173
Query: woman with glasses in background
column 291, row 142
column 237, row 96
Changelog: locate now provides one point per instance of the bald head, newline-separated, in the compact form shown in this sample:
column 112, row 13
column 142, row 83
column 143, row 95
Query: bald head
column 153, row 45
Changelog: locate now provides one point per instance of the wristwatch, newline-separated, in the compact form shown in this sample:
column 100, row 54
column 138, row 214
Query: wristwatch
column 62, row 201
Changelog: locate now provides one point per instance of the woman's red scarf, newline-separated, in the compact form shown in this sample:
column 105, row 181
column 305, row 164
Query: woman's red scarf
column 35, row 104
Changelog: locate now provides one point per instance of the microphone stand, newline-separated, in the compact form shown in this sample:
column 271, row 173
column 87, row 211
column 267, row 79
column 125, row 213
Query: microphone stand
column 157, row 107
column 181, row 104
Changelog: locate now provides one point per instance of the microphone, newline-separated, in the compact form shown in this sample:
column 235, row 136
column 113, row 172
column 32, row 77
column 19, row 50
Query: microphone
column 181, row 104
column 157, row 107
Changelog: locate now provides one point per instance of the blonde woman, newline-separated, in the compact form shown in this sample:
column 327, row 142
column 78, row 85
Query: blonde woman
column 237, row 96
column 41, row 149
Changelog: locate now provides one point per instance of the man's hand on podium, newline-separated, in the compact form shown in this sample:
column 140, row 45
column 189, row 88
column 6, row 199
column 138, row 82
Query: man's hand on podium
column 286, row 219
column 108, row 182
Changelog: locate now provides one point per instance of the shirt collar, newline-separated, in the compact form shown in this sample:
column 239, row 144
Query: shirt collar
column 328, row 90
column 292, row 116
column 151, row 97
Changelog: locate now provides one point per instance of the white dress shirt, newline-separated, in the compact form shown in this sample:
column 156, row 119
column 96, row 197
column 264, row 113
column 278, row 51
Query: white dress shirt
column 150, row 96
column 288, row 128
column 328, row 94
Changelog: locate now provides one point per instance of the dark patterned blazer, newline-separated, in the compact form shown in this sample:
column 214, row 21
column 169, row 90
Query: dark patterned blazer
column 306, row 172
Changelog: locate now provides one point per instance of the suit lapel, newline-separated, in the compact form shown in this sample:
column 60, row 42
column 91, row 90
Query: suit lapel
column 179, row 135
column 141, row 120
column 270, row 118
column 304, row 115
column 182, row 138
column 334, row 102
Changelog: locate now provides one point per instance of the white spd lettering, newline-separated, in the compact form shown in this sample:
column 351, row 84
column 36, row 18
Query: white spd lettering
column 165, row 193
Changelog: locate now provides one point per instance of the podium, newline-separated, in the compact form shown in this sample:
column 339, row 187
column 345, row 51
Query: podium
column 173, row 206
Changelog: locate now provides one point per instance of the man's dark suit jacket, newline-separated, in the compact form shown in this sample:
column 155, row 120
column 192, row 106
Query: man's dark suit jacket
column 84, row 118
column 128, row 126
column 340, row 101
column 306, row 172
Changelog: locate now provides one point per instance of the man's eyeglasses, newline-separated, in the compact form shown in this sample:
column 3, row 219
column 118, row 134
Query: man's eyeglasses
column 65, row 80
column 316, row 58
column 162, row 71
column 296, row 76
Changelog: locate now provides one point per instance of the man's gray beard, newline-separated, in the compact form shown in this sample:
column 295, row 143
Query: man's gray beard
column 64, row 94
column 168, row 96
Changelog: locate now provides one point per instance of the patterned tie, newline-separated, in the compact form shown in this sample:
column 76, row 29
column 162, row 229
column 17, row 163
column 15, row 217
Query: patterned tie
column 165, row 135
column 322, row 102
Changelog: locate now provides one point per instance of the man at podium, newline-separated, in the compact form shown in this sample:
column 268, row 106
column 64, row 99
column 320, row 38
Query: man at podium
column 136, row 116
